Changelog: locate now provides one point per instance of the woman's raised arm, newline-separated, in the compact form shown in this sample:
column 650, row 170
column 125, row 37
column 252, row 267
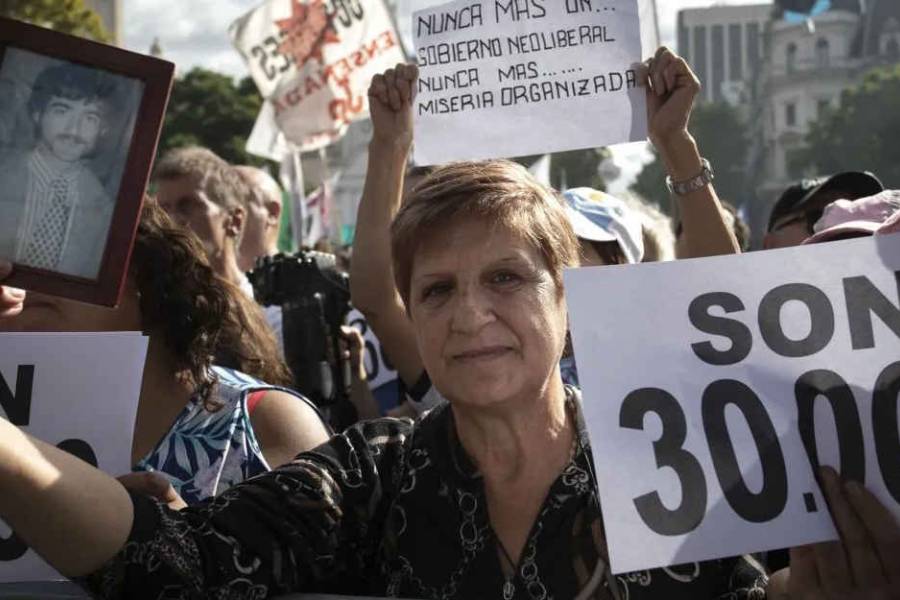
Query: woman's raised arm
column 670, row 98
column 371, row 274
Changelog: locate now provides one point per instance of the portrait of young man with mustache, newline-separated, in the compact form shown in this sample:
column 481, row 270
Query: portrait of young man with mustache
column 54, row 211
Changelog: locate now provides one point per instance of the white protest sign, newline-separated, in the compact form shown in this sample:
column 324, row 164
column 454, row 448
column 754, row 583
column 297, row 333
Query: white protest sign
column 526, row 77
column 711, row 385
column 313, row 62
column 78, row 391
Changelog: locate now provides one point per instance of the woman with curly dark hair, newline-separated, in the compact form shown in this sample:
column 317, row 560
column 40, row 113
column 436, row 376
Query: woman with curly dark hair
column 205, row 426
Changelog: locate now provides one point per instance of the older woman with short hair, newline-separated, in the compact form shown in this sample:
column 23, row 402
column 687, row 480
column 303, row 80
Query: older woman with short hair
column 491, row 495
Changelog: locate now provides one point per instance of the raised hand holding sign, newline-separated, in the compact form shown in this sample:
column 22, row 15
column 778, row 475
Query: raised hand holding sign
column 390, row 96
column 864, row 565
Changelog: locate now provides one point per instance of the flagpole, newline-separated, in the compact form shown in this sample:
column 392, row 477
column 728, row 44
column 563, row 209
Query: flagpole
column 655, row 25
column 407, row 52
column 328, row 212
column 299, row 212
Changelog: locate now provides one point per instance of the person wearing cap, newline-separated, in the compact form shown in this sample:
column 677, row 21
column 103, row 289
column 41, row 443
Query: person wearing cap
column 845, row 219
column 801, row 205
column 608, row 232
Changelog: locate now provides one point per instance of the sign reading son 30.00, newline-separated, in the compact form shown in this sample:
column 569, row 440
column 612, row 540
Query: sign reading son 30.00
column 526, row 77
column 711, row 392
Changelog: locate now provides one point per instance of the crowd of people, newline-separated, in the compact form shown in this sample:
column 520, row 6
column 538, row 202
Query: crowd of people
column 480, row 483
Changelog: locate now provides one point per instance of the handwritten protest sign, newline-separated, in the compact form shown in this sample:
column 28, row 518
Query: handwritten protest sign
column 711, row 390
column 313, row 62
column 526, row 77
column 78, row 391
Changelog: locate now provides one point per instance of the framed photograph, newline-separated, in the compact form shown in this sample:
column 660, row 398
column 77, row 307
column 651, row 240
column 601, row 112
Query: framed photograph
column 79, row 124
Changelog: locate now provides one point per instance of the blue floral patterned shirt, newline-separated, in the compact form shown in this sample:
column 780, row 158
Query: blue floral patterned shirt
column 206, row 452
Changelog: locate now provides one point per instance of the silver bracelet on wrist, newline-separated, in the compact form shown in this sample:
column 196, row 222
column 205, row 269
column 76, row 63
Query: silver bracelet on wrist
column 699, row 181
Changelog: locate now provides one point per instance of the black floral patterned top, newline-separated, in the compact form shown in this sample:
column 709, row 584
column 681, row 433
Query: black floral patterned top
column 389, row 508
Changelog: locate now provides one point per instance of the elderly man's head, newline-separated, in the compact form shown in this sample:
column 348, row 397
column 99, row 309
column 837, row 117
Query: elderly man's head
column 479, row 251
column 205, row 194
column 263, row 215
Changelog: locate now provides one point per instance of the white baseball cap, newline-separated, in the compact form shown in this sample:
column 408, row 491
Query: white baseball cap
column 598, row 217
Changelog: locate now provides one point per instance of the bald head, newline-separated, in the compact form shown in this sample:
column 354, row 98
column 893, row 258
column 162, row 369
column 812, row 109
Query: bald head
column 263, row 208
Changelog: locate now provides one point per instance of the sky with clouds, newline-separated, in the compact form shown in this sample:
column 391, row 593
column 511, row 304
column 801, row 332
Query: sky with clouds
column 194, row 33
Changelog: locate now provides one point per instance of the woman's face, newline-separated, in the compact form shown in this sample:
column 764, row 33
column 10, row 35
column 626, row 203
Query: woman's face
column 490, row 321
column 50, row 313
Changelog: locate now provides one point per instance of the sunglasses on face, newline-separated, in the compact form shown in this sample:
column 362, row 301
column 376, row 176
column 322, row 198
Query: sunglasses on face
column 808, row 217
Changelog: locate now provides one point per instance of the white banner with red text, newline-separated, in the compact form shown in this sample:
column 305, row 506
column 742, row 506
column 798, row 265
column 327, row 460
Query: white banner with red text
column 312, row 62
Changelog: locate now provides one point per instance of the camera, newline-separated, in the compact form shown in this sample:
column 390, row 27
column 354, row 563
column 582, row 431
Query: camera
column 314, row 296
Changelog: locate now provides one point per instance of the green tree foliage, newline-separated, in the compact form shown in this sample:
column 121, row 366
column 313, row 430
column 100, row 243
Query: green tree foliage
column 575, row 168
column 863, row 134
column 208, row 109
column 67, row 16
column 722, row 137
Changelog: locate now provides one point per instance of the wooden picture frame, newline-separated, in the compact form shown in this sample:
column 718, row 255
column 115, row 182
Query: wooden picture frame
column 127, row 101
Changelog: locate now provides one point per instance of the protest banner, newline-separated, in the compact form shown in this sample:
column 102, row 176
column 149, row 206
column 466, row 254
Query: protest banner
column 526, row 77
column 312, row 62
column 714, row 387
column 78, row 391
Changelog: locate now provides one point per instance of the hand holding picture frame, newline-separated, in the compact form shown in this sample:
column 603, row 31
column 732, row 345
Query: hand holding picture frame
column 79, row 125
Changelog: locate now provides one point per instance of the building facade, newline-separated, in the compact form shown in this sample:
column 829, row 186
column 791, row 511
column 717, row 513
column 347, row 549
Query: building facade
column 784, row 74
column 807, row 66
column 110, row 12
column 724, row 45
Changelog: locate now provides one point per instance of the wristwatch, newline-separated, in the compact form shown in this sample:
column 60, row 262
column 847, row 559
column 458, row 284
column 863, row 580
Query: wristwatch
column 680, row 188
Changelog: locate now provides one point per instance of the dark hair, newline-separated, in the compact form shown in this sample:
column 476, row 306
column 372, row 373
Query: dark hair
column 609, row 252
column 738, row 226
column 73, row 82
column 418, row 171
column 201, row 318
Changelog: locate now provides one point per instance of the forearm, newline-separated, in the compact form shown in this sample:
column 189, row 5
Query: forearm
column 285, row 531
column 371, row 282
column 362, row 398
column 704, row 229
column 75, row 516
column 371, row 275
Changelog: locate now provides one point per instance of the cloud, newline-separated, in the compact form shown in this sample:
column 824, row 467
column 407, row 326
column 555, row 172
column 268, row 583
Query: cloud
column 191, row 33
column 195, row 32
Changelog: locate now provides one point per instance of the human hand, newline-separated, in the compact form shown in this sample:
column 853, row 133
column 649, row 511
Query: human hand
column 11, row 299
column 153, row 485
column 864, row 564
column 355, row 346
column 672, row 88
column 391, row 96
